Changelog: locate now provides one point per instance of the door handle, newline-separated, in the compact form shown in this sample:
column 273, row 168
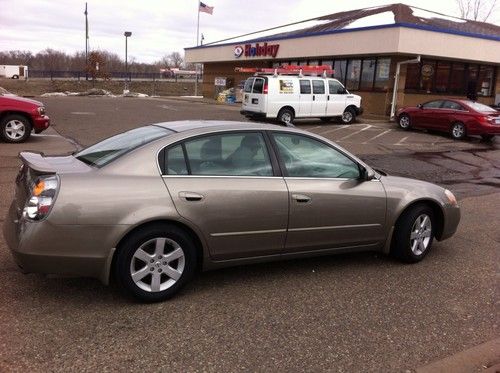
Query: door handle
column 328, row 97
column 190, row 196
column 301, row 198
column 314, row 97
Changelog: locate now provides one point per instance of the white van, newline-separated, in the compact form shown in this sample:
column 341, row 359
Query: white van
column 286, row 97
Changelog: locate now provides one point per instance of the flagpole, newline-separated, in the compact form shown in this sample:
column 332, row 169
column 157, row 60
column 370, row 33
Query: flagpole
column 86, row 42
column 197, row 42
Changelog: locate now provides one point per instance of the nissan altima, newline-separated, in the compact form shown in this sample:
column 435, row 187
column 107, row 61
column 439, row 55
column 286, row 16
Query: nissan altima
column 151, row 206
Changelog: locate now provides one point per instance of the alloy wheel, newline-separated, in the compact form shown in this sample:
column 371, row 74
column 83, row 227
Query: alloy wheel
column 15, row 129
column 404, row 121
column 458, row 131
column 421, row 233
column 347, row 116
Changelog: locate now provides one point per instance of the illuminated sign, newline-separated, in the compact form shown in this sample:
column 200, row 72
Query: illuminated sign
column 257, row 50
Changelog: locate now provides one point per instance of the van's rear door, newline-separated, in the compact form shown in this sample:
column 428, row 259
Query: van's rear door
column 255, row 94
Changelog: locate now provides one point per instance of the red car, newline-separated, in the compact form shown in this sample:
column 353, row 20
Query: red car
column 19, row 116
column 460, row 118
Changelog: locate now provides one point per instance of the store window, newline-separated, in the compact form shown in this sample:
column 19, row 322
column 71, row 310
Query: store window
column 442, row 77
column 353, row 74
column 457, row 78
column 367, row 73
column 340, row 67
column 427, row 74
column 485, row 81
column 413, row 77
column 382, row 74
column 313, row 63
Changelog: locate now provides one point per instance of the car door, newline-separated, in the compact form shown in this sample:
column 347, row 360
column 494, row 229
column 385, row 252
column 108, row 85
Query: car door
column 336, row 99
column 450, row 112
column 224, row 184
column 426, row 116
column 330, row 206
column 305, row 98
column 319, row 98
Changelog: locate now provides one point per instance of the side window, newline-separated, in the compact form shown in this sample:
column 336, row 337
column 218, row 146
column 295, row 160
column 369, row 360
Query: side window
column 452, row 105
column 248, row 85
column 175, row 164
column 432, row 104
column 258, row 85
column 233, row 154
column 335, row 88
column 305, row 86
column 318, row 87
column 306, row 157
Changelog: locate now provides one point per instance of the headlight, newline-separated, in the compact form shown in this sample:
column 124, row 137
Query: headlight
column 43, row 194
column 451, row 197
column 41, row 110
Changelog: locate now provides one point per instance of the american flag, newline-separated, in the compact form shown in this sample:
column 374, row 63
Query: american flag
column 205, row 8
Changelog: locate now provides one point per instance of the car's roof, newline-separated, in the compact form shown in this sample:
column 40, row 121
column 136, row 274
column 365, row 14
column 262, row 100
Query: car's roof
column 189, row 125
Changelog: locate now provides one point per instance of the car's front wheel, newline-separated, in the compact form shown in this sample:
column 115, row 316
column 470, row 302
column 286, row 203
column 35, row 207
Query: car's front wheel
column 349, row 116
column 155, row 262
column 413, row 234
column 404, row 121
column 15, row 128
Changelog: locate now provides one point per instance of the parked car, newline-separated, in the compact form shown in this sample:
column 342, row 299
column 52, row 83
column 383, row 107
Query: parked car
column 460, row 118
column 19, row 116
column 152, row 205
column 286, row 97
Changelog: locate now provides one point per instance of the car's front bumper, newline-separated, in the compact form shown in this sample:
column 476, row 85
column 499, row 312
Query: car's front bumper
column 41, row 123
column 451, row 221
column 42, row 247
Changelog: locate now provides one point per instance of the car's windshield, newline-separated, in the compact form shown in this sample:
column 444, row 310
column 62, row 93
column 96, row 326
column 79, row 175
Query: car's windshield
column 114, row 147
column 481, row 107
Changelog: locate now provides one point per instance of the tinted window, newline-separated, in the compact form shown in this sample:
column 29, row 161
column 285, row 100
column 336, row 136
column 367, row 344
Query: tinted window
column 248, row 85
column 306, row 157
column 367, row 74
column 340, row 68
column 114, row 147
column 335, row 87
column 305, row 87
column 318, row 87
column 258, row 85
column 452, row 105
column 353, row 73
column 241, row 154
column 175, row 164
column 432, row 104
column 382, row 74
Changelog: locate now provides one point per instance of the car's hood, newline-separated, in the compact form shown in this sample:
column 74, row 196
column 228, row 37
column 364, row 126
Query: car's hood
column 13, row 99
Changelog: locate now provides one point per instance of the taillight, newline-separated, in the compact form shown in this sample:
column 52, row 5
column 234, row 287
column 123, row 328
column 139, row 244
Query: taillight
column 43, row 194
column 265, row 89
column 485, row 119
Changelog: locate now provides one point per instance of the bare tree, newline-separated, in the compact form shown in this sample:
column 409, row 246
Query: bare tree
column 477, row 10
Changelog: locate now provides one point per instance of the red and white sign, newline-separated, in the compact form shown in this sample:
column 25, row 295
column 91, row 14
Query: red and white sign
column 257, row 50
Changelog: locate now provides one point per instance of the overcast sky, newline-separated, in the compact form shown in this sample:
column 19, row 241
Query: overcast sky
column 162, row 26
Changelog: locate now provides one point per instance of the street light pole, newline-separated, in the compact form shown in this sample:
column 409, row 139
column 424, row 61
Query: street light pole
column 127, row 34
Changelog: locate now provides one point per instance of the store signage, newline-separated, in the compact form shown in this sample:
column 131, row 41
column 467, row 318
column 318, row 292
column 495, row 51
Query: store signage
column 257, row 50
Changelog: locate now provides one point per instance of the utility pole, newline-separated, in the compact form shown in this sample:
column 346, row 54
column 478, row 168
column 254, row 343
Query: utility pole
column 86, row 42
column 127, row 34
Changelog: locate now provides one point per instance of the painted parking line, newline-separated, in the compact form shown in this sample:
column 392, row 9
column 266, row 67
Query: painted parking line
column 401, row 142
column 377, row 136
column 82, row 113
column 355, row 133
column 335, row 129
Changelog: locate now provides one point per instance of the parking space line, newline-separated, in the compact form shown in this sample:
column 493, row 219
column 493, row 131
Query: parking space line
column 377, row 136
column 335, row 129
column 355, row 133
column 401, row 142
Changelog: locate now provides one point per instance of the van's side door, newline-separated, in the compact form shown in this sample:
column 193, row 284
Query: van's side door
column 319, row 98
column 305, row 98
column 336, row 98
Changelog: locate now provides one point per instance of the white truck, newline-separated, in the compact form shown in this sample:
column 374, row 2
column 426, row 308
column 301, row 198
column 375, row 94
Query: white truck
column 285, row 96
column 14, row 71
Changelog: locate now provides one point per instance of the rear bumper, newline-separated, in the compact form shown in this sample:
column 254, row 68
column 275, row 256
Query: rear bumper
column 41, row 123
column 253, row 114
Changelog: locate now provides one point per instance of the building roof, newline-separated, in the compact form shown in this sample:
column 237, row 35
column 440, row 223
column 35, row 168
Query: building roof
column 393, row 15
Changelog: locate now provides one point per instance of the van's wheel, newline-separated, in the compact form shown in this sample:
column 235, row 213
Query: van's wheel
column 15, row 76
column 154, row 263
column 15, row 128
column 458, row 131
column 404, row 121
column 413, row 234
column 286, row 116
column 349, row 116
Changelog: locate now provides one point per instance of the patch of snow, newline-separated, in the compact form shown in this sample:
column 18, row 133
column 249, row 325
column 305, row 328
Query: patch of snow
column 430, row 15
column 53, row 94
column 192, row 96
column 379, row 19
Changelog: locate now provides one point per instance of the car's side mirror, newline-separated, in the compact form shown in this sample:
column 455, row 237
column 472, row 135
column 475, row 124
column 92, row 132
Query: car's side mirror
column 420, row 106
column 341, row 91
column 366, row 174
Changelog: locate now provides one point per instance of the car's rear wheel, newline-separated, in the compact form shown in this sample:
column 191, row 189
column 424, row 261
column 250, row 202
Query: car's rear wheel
column 404, row 121
column 487, row 137
column 349, row 116
column 413, row 234
column 154, row 263
column 15, row 128
column 458, row 131
column 286, row 116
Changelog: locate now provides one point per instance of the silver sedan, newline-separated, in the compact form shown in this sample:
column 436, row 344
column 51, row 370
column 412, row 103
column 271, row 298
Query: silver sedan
column 153, row 205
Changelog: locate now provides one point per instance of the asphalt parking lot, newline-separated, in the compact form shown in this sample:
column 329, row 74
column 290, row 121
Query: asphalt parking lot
column 346, row 313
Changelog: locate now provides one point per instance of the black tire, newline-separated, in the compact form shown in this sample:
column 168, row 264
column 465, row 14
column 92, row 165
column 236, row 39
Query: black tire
column 404, row 122
column 487, row 137
column 141, row 239
column 349, row 116
column 325, row 119
column 15, row 76
column 458, row 131
column 402, row 242
column 9, row 134
column 286, row 116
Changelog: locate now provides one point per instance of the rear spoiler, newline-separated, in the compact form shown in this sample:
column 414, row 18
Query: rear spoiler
column 37, row 162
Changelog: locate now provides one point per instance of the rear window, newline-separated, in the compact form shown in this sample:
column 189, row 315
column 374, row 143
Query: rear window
column 108, row 150
column 318, row 87
column 481, row 107
column 258, row 86
column 248, row 85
